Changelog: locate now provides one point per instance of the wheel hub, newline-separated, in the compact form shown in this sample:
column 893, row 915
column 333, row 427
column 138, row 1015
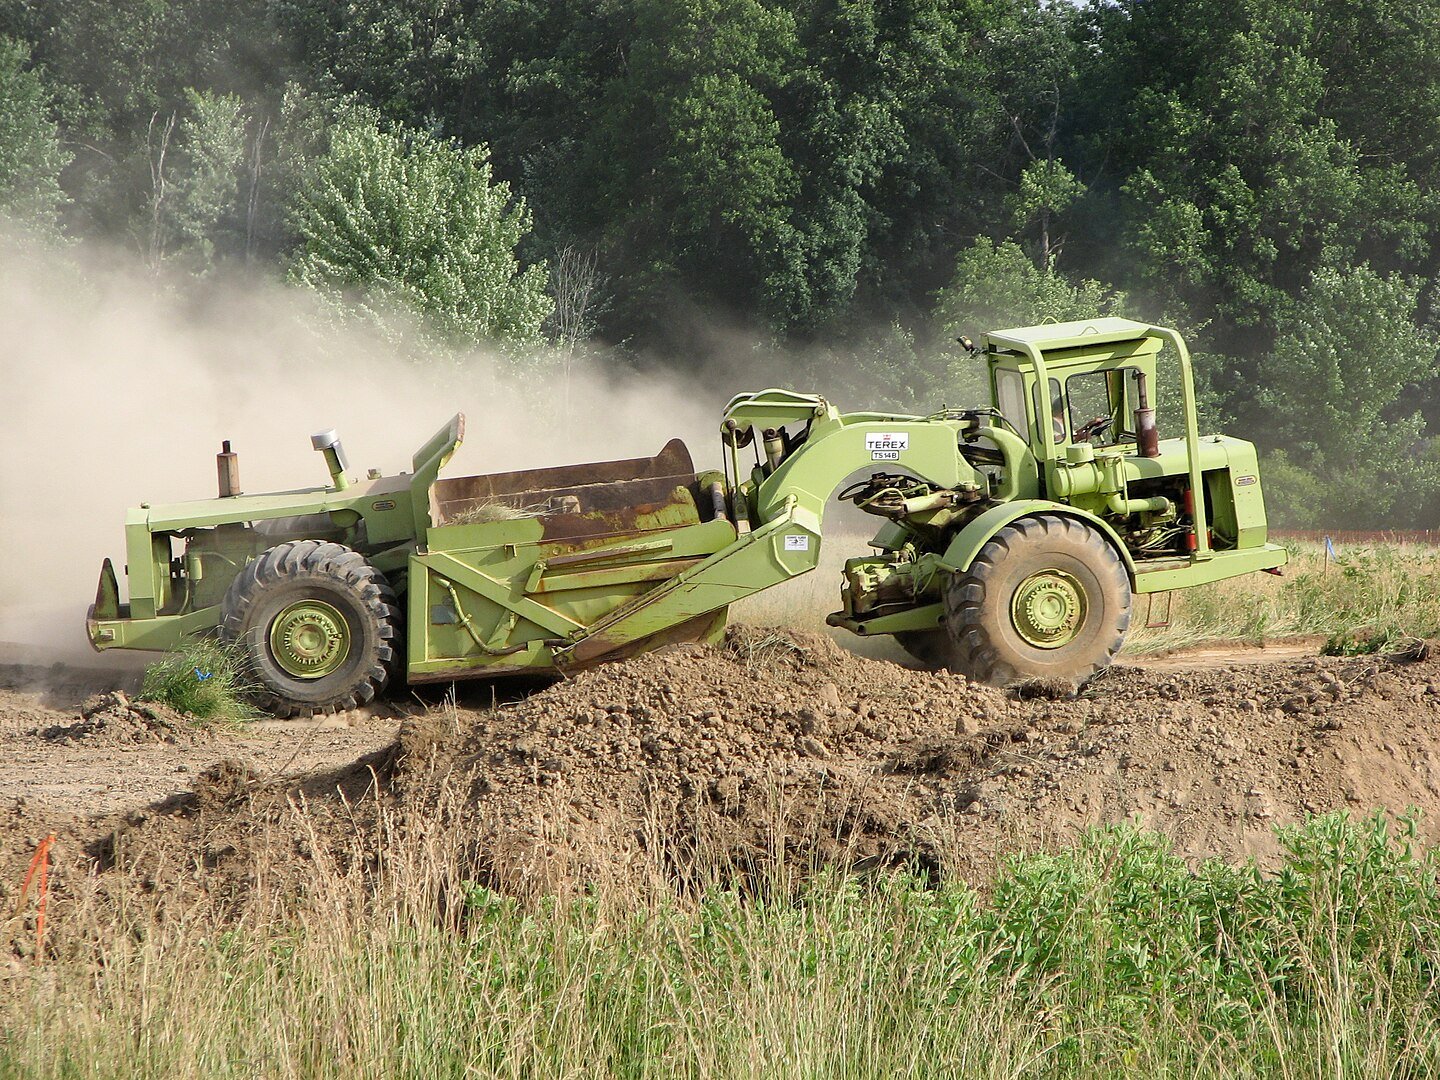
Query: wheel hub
column 309, row 639
column 1048, row 609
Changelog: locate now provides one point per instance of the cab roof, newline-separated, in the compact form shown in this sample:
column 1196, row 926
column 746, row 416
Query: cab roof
column 1069, row 335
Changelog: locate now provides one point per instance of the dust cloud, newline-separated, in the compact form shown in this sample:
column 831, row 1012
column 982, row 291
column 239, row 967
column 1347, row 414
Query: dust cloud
column 119, row 387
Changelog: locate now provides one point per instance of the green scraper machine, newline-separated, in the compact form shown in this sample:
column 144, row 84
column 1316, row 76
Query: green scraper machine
column 1013, row 537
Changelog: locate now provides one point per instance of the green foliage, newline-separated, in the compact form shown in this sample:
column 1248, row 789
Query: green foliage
column 31, row 158
column 393, row 221
column 1118, row 929
column 205, row 680
column 1339, row 389
column 692, row 170
column 1047, row 188
column 409, row 60
column 195, row 177
column 1350, row 644
column 1365, row 600
column 997, row 286
column 810, row 176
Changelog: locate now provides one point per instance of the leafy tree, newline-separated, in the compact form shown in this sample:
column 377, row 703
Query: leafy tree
column 414, row 60
column 1340, row 394
column 116, row 67
column 692, row 182
column 811, row 173
column 31, row 158
column 891, row 123
column 391, row 220
column 195, row 181
column 1046, row 190
column 997, row 286
column 117, row 64
column 1238, row 175
column 1036, row 66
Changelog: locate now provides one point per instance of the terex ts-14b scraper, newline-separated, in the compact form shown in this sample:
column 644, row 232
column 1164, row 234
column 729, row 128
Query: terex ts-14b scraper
column 1015, row 535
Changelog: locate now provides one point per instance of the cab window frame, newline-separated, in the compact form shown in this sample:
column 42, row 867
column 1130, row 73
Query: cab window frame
column 1053, row 418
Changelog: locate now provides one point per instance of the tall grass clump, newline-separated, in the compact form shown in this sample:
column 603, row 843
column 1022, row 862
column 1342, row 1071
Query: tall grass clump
column 1111, row 958
column 205, row 679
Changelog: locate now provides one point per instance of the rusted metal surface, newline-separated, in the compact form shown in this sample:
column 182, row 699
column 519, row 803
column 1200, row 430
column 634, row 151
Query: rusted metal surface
column 708, row 626
column 591, row 502
column 456, row 493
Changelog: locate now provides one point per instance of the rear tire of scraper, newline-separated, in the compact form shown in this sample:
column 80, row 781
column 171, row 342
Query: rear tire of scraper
column 1046, row 598
column 319, row 628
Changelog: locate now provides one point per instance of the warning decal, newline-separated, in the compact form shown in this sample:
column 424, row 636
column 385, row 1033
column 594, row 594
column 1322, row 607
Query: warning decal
column 795, row 542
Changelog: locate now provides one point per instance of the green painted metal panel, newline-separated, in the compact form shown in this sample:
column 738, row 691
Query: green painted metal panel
column 507, row 593
column 968, row 542
column 777, row 551
column 358, row 498
column 1222, row 565
column 519, row 589
column 841, row 445
column 427, row 463
column 1086, row 333
column 162, row 633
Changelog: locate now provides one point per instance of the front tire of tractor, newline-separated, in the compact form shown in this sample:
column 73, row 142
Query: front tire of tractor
column 1046, row 598
column 319, row 628
column 933, row 648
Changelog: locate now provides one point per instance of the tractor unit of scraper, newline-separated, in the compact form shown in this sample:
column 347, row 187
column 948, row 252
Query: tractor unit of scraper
column 1014, row 536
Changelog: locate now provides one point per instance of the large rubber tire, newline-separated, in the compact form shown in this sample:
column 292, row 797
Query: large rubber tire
column 933, row 648
column 341, row 616
column 1046, row 598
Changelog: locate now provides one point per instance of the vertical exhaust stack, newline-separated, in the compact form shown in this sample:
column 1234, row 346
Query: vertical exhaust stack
column 328, row 443
column 227, row 466
column 1146, row 435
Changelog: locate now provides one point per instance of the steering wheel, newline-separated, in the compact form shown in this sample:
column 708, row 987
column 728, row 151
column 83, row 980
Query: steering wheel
column 1087, row 431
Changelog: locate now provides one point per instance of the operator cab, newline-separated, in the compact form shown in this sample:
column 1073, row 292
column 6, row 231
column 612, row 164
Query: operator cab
column 1096, row 374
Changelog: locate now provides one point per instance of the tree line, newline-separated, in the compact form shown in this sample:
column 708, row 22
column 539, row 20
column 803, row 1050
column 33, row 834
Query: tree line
column 842, row 186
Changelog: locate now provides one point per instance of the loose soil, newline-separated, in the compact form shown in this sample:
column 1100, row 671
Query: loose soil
column 778, row 746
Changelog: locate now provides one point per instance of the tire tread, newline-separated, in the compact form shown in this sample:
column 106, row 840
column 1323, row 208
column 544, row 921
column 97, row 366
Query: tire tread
column 345, row 566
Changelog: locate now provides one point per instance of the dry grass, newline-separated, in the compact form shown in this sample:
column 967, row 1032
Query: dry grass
column 1110, row 960
column 483, row 513
column 1367, row 597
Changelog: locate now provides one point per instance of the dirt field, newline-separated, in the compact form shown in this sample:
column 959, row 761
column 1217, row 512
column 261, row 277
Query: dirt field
column 779, row 746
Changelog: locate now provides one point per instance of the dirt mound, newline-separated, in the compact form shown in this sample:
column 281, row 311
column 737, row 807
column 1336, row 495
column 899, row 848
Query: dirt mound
column 780, row 747
column 719, row 750
column 58, row 685
column 112, row 719
column 1215, row 757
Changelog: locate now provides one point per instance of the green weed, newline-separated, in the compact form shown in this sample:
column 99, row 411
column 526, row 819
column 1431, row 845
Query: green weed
column 204, row 679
